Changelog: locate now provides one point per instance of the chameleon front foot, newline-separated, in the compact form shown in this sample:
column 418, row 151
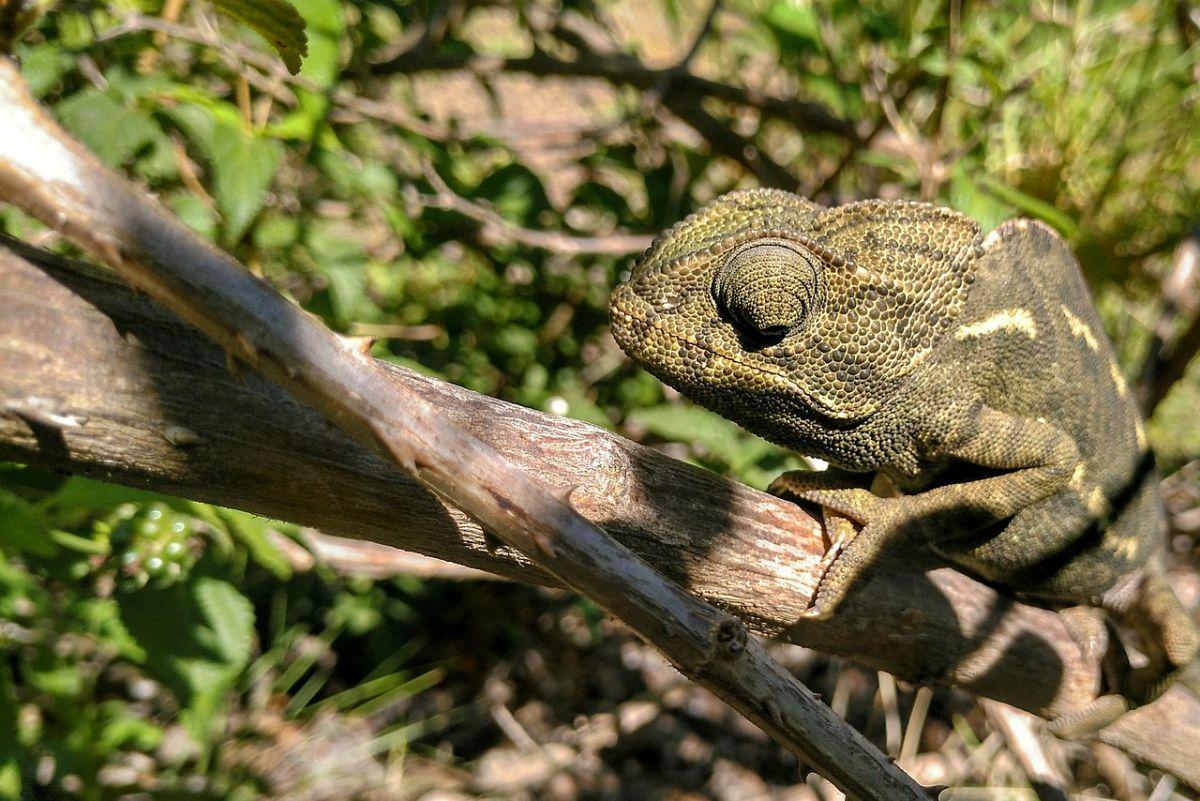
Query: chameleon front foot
column 844, row 503
column 834, row 580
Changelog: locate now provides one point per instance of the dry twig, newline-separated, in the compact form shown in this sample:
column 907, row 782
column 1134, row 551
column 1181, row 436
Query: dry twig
column 77, row 348
column 56, row 180
column 1170, row 355
column 496, row 229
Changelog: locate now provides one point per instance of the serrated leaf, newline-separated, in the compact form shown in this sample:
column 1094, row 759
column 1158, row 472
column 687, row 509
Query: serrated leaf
column 107, row 126
column 251, row 531
column 197, row 636
column 277, row 21
column 245, row 166
column 230, row 616
column 242, row 163
column 326, row 31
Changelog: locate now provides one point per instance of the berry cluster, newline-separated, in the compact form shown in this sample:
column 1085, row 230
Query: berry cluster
column 153, row 543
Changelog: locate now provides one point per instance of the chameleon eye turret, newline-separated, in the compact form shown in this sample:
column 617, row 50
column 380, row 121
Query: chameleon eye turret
column 767, row 289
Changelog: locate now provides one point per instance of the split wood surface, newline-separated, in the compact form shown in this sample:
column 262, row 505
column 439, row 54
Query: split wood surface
column 55, row 179
column 97, row 380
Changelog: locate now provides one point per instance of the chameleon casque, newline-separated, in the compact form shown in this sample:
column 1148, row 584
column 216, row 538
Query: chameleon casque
column 891, row 338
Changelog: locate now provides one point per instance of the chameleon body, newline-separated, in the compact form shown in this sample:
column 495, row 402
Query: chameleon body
column 892, row 339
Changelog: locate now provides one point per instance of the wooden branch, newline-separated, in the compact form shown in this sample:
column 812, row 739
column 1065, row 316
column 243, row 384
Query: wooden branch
column 351, row 557
column 621, row 69
column 153, row 406
column 55, row 179
column 496, row 229
column 1170, row 354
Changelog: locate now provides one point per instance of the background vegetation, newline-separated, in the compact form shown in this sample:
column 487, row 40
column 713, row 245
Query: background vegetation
column 466, row 181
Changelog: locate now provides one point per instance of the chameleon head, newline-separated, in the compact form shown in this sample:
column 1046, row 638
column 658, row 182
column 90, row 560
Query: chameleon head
column 785, row 316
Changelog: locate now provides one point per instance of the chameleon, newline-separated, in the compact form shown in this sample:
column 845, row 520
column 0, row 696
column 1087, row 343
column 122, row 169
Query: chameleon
column 961, row 388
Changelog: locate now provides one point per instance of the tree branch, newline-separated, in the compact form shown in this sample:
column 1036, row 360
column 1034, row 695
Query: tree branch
column 497, row 229
column 1170, row 355
column 622, row 69
column 156, row 408
column 56, row 180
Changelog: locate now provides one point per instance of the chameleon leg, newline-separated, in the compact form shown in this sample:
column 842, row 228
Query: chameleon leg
column 1169, row 640
column 1089, row 628
column 843, row 500
column 1040, row 460
column 840, row 490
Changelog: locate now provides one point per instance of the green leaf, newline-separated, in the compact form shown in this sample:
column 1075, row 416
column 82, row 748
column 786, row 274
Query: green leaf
column 969, row 198
column 197, row 636
column 326, row 31
column 795, row 25
column 107, row 126
column 347, row 290
column 21, row 528
column 10, row 768
column 245, row 166
column 277, row 21
column 242, row 163
column 1035, row 207
column 515, row 192
column 120, row 728
column 50, row 675
column 251, row 531
column 43, row 66
column 689, row 424
column 84, row 493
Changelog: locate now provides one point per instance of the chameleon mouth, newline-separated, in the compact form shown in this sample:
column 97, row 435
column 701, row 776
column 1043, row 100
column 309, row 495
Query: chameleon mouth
column 625, row 324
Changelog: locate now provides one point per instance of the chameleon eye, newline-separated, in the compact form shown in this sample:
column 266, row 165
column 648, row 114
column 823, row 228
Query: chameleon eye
column 767, row 290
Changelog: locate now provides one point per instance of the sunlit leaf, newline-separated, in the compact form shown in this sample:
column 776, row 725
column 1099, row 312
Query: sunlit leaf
column 277, row 21
column 21, row 528
column 196, row 635
column 795, row 24
column 107, row 126
column 243, row 164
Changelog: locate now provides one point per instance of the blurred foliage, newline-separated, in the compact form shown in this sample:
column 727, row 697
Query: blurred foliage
column 405, row 204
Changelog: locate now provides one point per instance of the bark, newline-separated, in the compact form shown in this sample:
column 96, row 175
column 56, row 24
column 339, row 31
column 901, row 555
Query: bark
column 99, row 381
column 55, row 179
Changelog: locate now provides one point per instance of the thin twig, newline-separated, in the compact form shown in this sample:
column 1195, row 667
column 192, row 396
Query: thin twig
column 91, row 397
column 497, row 229
column 700, row 36
column 365, row 558
column 804, row 115
column 56, row 180
column 1170, row 355
column 1020, row 731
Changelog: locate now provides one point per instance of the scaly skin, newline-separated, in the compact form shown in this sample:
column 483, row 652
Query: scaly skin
column 890, row 337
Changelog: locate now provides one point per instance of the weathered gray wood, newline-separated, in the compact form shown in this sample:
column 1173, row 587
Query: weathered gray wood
column 153, row 405
column 51, row 176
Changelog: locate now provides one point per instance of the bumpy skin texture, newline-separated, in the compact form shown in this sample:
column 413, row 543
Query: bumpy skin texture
column 890, row 338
